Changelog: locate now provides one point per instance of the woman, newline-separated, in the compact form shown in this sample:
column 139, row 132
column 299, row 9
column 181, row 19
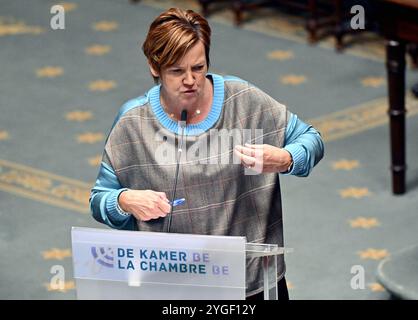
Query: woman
column 223, row 196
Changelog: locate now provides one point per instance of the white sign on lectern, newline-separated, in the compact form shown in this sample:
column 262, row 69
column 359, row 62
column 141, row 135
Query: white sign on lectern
column 113, row 264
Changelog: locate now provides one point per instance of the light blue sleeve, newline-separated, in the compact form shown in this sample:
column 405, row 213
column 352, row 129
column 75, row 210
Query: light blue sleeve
column 104, row 200
column 105, row 193
column 305, row 145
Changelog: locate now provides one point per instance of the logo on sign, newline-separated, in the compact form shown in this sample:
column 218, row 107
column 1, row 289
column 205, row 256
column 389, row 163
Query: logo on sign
column 103, row 256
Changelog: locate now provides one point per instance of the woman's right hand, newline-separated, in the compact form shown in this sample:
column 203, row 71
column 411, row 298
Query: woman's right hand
column 145, row 205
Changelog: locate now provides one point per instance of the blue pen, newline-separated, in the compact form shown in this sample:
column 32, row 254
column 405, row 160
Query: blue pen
column 178, row 202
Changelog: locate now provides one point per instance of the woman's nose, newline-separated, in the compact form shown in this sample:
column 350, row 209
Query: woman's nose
column 188, row 78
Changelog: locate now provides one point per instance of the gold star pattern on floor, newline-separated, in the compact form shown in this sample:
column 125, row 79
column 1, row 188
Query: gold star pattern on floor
column 95, row 161
column 57, row 254
column 375, row 254
column 68, row 285
column 10, row 27
column 374, row 82
column 49, row 72
column 365, row 223
column 4, row 135
column 280, row 55
column 102, row 85
column 376, row 287
column 105, row 26
column 293, row 79
column 79, row 115
column 354, row 193
column 90, row 137
column 68, row 6
column 97, row 50
column 344, row 164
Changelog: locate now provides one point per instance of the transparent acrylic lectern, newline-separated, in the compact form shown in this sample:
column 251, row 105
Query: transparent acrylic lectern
column 268, row 253
column 114, row 264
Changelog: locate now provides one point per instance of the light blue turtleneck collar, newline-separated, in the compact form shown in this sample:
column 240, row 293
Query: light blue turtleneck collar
column 196, row 128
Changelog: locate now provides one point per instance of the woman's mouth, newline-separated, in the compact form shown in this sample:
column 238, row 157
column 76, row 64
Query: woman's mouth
column 189, row 92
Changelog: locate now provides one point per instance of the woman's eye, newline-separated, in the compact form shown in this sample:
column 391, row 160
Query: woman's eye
column 175, row 71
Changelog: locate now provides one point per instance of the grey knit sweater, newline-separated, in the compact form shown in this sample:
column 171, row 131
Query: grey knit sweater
column 220, row 198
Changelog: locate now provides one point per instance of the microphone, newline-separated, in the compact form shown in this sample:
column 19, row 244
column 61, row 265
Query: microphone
column 183, row 118
column 183, row 123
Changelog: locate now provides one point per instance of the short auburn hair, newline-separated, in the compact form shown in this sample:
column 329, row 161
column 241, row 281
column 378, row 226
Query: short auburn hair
column 172, row 34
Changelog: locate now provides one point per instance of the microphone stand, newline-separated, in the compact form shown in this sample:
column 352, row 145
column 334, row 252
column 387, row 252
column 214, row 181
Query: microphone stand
column 183, row 123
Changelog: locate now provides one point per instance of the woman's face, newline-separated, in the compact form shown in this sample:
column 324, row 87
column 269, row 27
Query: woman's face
column 183, row 84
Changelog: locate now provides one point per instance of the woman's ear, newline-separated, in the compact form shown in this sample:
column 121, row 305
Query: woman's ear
column 154, row 72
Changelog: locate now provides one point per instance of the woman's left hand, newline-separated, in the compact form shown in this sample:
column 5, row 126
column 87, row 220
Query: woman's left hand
column 264, row 157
